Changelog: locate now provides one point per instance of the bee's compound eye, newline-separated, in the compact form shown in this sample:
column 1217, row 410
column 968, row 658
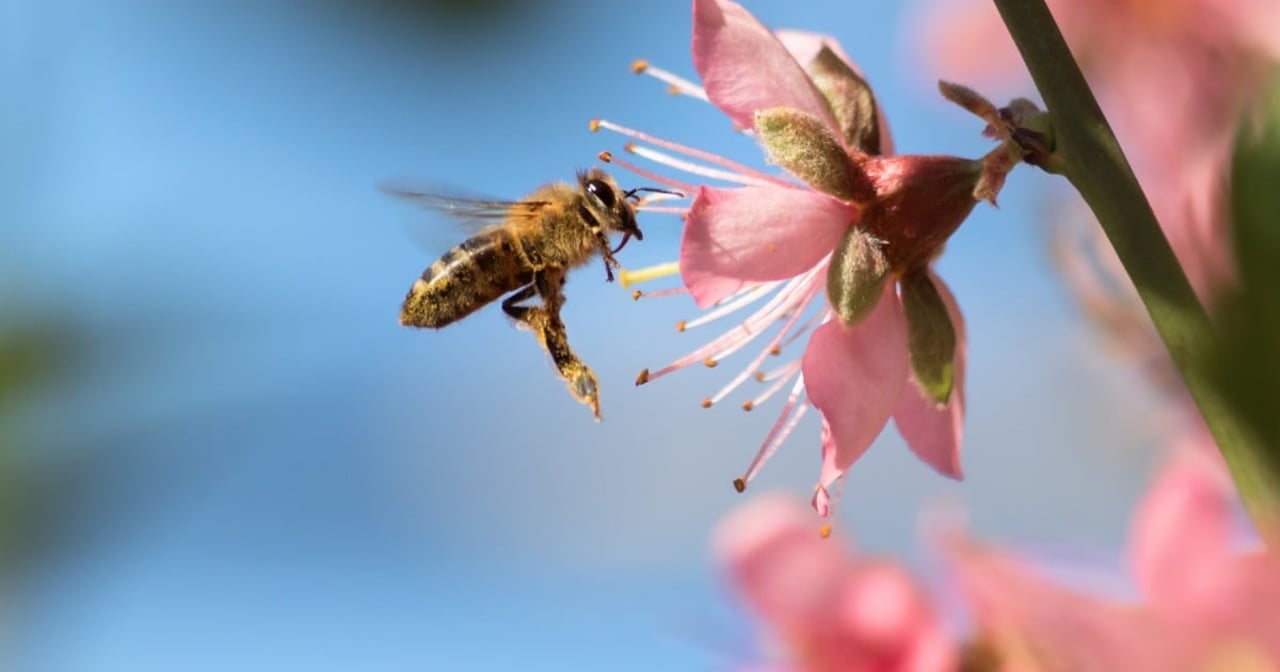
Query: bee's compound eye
column 602, row 192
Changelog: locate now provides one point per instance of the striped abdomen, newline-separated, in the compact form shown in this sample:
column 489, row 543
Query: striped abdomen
column 465, row 279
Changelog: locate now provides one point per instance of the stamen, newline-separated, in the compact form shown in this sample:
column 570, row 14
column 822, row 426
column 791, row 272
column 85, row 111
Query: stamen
column 628, row 277
column 739, row 337
column 808, row 324
column 659, row 293
column 745, row 299
column 781, row 378
column 786, row 422
column 676, row 84
column 770, row 350
column 642, row 377
column 745, row 171
column 669, row 210
column 692, row 168
column 608, row 157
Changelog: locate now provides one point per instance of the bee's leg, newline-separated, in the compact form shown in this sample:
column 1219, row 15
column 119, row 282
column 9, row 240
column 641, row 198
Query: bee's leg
column 546, row 324
column 606, row 251
column 518, row 312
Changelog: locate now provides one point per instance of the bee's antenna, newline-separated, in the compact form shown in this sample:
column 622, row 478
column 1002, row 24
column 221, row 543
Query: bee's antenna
column 655, row 190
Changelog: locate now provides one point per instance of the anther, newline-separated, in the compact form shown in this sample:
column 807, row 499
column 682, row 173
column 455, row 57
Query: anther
column 775, row 350
column 680, row 326
column 639, row 65
column 605, row 156
column 629, row 148
column 739, row 485
column 594, row 125
column 760, row 376
column 825, row 531
column 637, row 294
column 706, row 402
column 674, row 90
column 642, row 377
column 710, row 362
column 748, row 405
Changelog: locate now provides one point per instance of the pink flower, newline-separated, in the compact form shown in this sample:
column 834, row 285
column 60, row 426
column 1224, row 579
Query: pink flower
column 828, row 609
column 860, row 225
column 1206, row 604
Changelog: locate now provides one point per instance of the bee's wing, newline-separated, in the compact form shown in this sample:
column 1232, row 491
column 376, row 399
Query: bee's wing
column 470, row 211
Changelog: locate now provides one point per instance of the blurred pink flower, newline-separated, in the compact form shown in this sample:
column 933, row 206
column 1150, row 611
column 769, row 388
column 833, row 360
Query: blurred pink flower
column 1174, row 77
column 1206, row 605
column 827, row 608
column 773, row 237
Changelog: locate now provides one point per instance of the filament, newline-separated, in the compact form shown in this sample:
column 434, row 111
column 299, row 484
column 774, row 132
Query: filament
column 734, row 166
column 629, row 277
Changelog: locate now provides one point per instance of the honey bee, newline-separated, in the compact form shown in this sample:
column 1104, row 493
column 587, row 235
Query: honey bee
column 528, row 251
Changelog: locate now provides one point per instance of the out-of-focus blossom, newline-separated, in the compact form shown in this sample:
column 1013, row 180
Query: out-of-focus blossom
column 1206, row 604
column 1175, row 78
column 826, row 608
column 850, row 222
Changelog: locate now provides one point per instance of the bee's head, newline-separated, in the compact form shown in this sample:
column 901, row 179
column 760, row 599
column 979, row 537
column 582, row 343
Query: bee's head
column 610, row 205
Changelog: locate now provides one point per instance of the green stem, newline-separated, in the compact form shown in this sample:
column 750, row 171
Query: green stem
column 1097, row 168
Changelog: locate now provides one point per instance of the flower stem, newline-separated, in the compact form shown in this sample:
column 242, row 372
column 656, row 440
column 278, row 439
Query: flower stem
column 1095, row 166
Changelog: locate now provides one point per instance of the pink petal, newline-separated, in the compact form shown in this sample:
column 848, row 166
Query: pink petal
column 753, row 234
column 1180, row 545
column 934, row 432
column 745, row 68
column 784, row 569
column 805, row 45
column 1041, row 625
column 854, row 377
column 881, row 607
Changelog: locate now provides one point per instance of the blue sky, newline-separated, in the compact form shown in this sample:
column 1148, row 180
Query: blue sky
column 286, row 479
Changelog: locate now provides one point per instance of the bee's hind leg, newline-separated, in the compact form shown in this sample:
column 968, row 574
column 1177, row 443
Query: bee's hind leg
column 545, row 322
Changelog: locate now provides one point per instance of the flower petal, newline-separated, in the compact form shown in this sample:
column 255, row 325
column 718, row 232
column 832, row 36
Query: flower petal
column 1180, row 545
column 804, row 46
column 786, row 571
column 854, row 377
column 754, row 234
column 1036, row 624
column 934, row 432
column 745, row 68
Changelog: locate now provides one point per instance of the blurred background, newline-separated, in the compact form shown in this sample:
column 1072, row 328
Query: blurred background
column 219, row 450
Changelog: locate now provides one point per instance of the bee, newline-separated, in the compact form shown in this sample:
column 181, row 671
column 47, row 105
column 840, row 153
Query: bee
column 526, row 253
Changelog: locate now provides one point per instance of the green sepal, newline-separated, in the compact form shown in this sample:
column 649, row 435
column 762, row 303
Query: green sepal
column 803, row 145
column 856, row 276
column 931, row 338
column 850, row 99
